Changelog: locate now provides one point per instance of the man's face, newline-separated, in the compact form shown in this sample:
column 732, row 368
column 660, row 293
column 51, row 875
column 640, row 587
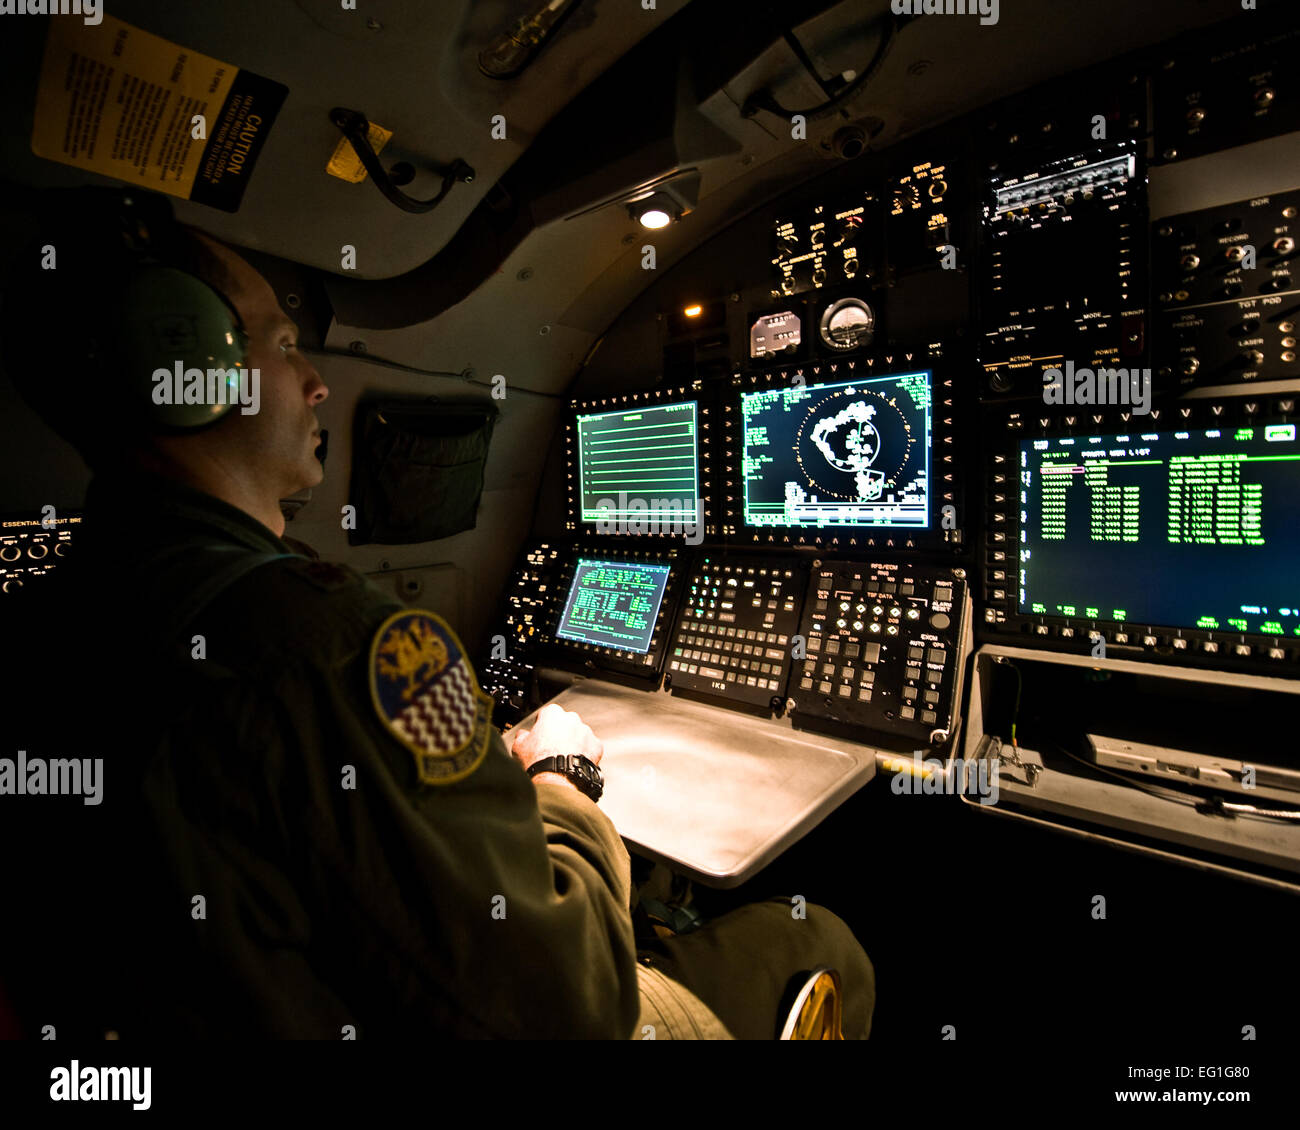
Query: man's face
column 279, row 441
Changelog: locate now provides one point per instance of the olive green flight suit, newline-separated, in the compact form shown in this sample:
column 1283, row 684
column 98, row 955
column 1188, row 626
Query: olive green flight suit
column 288, row 873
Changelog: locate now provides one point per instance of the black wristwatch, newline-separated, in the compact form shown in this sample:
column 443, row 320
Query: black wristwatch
column 584, row 773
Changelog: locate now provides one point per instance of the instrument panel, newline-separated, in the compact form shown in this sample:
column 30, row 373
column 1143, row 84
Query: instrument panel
column 875, row 353
column 32, row 547
column 861, row 649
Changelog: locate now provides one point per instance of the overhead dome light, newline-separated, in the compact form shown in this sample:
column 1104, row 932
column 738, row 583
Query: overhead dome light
column 656, row 204
column 654, row 217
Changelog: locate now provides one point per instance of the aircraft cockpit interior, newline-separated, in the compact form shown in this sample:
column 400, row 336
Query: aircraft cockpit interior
column 874, row 420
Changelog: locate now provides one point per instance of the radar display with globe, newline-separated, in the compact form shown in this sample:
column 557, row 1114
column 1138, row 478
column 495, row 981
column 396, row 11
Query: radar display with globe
column 844, row 454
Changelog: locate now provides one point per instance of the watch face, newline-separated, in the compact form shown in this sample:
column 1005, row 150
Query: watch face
column 590, row 775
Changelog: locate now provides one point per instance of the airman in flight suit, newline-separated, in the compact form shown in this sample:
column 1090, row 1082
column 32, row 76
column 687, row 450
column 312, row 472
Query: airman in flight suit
column 310, row 827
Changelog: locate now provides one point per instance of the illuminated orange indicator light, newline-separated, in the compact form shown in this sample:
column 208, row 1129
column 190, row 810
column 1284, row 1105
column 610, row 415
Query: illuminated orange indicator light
column 693, row 311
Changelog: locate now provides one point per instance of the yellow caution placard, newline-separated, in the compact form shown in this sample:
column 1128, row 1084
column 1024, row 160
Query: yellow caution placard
column 346, row 165
column 118, row 101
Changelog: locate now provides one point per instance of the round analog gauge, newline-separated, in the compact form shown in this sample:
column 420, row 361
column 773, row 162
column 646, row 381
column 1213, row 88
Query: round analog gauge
column 847, row 324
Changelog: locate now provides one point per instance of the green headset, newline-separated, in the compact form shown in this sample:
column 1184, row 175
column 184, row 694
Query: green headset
column 84, row 339
column 168, row 318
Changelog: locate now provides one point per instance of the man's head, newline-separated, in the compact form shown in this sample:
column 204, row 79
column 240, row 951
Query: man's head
column 276, row 445
column 251, row 458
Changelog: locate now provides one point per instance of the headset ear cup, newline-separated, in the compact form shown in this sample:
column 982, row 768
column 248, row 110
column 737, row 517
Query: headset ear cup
column 183, row 349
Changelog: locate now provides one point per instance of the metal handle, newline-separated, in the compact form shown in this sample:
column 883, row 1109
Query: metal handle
column 356, row 128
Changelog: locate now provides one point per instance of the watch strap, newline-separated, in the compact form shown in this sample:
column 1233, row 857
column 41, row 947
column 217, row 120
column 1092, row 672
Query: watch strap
column 581, row 771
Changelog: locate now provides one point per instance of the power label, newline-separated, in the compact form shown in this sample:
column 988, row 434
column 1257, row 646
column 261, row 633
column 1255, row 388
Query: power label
column 118, row 101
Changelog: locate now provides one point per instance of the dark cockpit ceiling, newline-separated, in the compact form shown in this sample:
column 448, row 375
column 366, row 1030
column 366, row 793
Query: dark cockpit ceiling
column 581, row 134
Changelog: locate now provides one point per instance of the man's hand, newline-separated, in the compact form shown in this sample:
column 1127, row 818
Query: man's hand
column 556, row 731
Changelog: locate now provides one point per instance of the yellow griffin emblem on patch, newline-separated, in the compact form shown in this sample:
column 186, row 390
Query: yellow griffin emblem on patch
column 408, row 653
column 426, row 696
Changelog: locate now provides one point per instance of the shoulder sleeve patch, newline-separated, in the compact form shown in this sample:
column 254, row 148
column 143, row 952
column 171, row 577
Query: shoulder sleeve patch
column 426, row 695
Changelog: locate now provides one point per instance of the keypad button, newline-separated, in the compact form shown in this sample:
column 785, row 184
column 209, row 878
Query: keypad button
column 907, row 713
column 928, row 717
